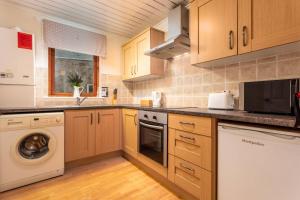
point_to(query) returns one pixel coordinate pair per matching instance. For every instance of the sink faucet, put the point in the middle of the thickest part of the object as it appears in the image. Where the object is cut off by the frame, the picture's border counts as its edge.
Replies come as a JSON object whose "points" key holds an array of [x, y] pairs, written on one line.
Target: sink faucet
{"points": [[79, 101]]}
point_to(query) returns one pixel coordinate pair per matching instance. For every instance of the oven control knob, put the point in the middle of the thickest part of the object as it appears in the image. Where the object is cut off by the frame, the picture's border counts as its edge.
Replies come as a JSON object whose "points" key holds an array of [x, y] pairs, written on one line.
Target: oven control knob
{"points": [[146, 116], [154, 117]]}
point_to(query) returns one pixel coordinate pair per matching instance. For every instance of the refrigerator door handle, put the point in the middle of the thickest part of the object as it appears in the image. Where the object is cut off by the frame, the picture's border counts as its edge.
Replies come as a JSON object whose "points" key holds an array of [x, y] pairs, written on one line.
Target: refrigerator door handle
{"points": [[281, 136]]}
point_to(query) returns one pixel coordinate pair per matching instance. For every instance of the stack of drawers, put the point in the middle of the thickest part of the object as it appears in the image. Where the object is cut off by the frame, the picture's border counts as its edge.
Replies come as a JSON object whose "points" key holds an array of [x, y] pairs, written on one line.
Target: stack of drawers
{"points": [[191, 147]]}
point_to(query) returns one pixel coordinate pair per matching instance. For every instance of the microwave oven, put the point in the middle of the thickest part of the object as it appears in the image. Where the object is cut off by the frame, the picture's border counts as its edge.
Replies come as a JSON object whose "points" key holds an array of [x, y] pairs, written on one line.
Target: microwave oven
{"points": [[272, 97]]}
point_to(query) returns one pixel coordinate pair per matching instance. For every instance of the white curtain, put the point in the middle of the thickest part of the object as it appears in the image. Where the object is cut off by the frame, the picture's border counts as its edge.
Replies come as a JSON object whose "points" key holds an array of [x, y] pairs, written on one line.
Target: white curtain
{"points": [[69, 38]]}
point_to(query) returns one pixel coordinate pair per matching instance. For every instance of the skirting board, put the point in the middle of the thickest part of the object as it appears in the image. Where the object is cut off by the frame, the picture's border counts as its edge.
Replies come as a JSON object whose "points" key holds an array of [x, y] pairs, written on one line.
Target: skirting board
{"points": [[85, 161], [162, 180]]}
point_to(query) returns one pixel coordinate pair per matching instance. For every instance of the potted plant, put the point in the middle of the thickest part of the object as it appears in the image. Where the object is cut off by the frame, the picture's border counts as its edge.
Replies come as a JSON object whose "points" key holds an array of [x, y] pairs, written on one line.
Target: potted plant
{"points": [[75, 80]]}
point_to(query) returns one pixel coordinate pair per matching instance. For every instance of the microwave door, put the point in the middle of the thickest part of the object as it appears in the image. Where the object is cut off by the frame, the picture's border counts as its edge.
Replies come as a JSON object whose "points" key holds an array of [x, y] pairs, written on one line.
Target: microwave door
{"points": [[280, 97]]}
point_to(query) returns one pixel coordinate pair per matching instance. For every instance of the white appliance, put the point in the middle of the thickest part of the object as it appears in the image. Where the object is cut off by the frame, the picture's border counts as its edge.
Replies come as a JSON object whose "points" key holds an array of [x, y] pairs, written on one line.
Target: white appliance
{"points": [[16, 69], [157, 98], [31, 148], [257, 163], [222, 100]]}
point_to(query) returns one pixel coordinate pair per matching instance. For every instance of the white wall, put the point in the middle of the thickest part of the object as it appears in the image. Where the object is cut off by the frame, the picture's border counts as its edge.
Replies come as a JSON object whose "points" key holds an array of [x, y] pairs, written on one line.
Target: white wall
{"points": [[31, 21]]}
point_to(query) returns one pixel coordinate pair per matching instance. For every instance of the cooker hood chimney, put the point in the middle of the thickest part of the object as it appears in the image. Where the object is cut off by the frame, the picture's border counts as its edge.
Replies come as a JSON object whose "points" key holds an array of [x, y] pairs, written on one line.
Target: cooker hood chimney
{"points": [[178, 41]]}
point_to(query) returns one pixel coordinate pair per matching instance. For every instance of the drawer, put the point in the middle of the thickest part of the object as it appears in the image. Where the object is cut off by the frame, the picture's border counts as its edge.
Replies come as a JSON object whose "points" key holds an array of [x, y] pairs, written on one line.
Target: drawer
{"points": [[193, 124], [191, 147], [190, 178]]}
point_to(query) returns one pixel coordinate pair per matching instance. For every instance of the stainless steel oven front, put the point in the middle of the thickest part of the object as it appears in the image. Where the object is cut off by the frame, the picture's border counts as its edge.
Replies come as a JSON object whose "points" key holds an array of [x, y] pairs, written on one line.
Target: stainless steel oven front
{"points": [[153, 136]]}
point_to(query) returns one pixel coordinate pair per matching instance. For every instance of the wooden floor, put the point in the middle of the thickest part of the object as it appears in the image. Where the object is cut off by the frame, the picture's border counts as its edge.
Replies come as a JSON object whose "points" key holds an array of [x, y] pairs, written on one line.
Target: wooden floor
{"points": [[114, 178]]}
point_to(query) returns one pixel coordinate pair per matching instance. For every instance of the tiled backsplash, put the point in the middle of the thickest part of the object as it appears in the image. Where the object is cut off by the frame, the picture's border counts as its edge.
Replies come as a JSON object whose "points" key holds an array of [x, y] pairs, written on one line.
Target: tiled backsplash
{"points": [[183, 84], [186, 85], [111, 81]]}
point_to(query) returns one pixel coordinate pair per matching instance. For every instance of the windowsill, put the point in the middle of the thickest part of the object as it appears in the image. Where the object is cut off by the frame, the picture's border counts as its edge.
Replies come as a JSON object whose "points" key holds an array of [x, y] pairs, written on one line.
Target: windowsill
{"points": [[57, 97]]}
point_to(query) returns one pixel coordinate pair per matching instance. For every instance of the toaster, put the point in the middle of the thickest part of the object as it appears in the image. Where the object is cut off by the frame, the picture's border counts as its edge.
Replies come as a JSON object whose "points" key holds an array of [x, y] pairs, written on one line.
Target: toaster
{"points": [[221, 100]]}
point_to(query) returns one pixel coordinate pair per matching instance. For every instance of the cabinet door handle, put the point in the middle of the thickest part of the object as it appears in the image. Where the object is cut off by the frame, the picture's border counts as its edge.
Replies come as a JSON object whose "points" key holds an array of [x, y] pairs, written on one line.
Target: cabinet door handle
{"points": [[131, 70], [135, 122], [91, 118], [98, 118], [245, 36], [231, 40], [135, 69]]}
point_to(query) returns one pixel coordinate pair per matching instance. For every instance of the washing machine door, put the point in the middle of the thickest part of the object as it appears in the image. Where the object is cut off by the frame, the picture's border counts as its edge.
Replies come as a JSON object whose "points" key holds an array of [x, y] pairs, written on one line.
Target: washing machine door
{"points": [[34, 147]]}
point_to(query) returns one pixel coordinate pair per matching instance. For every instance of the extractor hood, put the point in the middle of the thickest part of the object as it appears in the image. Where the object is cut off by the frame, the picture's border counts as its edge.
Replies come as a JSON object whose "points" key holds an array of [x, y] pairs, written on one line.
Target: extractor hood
{"points": [[178, 41]]}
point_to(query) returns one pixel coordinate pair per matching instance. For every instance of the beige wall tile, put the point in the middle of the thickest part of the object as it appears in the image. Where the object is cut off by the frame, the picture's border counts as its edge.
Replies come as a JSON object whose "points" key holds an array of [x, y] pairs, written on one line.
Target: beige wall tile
{"points": [[232, 72], [289, 68], [248, 72], [267, 59], [266, 71], [218, 74], [289, 55]]}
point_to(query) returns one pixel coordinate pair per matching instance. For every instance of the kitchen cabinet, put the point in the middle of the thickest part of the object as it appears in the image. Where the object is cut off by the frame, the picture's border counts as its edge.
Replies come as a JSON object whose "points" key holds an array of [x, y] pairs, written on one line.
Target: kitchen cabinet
{"points": [[221, 29], [91, 132], [128, 61], [138, 66], [267, 23], [192, 154], [213, 29], [108, 130], [79, 134], [130, 132]]}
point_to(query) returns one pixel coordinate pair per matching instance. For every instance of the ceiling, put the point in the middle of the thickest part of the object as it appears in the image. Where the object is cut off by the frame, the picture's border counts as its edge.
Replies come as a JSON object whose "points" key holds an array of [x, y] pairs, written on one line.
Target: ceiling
{"points": [[122, 17]]}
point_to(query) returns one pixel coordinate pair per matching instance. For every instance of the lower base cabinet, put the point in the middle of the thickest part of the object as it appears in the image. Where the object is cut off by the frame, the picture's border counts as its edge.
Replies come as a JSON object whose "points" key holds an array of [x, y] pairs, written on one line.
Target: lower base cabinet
{"points": [[130, 131], [108, 131], [192, 155], [190, 178], [91, 132]]}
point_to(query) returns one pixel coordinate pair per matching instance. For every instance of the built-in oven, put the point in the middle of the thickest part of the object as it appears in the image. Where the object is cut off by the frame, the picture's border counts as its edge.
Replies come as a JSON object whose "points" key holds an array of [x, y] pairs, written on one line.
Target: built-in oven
{"points": [[153, 136]]}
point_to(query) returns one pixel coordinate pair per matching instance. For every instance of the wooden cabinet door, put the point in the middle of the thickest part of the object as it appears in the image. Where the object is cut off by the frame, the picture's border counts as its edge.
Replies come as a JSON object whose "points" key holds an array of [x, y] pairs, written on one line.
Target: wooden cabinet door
{"points": [[128, 61], [79, 134], [130, 131], [216, 29], [108, 138], [142, 66], [274, 22]]}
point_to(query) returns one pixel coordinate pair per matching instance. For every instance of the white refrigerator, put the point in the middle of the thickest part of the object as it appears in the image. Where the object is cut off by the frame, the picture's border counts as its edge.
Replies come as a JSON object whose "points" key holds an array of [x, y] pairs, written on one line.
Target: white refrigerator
{"points": [[258, 163], [17, 87]]}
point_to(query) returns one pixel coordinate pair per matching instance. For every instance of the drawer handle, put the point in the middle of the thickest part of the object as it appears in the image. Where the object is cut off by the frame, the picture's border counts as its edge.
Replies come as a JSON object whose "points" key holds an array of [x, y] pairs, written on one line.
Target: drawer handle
{"points": [[188, 138], [187, 168], [188, 123]]}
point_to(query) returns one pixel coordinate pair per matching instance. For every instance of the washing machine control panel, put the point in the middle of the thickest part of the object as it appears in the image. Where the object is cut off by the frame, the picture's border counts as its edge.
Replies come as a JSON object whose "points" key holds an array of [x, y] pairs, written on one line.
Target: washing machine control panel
{"points": [[45, 121], [27, 121]]}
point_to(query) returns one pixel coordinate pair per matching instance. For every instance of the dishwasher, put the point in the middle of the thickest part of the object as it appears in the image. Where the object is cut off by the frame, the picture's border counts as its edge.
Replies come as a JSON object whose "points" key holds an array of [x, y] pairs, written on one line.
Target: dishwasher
{"points": [[258, 163]]}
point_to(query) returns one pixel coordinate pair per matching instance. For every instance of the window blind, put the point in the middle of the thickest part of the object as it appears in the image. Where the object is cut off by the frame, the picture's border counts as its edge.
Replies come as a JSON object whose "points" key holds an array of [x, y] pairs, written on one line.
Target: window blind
{"points": [[65, 37]]}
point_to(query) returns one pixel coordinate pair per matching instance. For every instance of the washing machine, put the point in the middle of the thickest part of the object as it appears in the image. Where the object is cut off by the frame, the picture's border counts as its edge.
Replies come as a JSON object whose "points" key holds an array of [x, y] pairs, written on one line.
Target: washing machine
{"points": [[31, 148]]}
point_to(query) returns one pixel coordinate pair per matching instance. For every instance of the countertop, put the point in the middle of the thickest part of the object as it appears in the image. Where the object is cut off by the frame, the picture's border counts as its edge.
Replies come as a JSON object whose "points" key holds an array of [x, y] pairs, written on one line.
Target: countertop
{"points": [[234, 115]]}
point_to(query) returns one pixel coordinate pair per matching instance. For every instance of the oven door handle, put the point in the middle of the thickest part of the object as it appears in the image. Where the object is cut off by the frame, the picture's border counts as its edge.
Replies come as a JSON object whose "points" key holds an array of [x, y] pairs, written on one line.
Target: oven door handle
{"points": [[152, 126]]}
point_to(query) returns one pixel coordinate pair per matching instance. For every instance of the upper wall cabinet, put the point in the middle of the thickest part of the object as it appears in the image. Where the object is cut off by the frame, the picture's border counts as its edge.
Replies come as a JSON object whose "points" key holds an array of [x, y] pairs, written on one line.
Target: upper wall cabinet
{"points": [[213, 31], [222, 28], [138, 66], [267, 23]]}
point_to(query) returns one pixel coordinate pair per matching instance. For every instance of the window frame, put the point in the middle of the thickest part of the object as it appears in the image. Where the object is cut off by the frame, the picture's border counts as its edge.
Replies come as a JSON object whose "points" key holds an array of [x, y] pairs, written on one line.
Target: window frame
{"points": [[51, 77]]}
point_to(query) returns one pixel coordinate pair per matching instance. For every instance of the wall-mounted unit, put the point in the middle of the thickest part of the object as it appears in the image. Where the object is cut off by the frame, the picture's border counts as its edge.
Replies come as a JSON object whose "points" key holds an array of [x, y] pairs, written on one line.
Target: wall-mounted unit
{"points": [[16, 68], [138, 66]]}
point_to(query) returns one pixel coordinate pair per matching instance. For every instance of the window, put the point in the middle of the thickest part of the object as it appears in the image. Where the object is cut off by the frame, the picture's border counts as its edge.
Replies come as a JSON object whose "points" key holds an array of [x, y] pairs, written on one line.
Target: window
{"points": [[65, 63]]}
